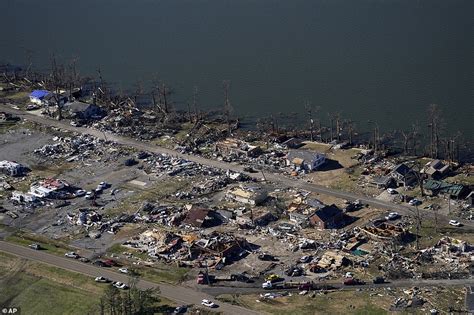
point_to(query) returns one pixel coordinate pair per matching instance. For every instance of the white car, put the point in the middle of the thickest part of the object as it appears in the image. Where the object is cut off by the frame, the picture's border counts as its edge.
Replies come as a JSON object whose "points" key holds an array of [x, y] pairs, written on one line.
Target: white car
{"points": [[101, 279], [392, 191], [454, 223], [208, 303], [267, 285], [392, 216], [123, 270], [89, 195], [414, 202], [71, 255], [120, 285], [79, 193]]}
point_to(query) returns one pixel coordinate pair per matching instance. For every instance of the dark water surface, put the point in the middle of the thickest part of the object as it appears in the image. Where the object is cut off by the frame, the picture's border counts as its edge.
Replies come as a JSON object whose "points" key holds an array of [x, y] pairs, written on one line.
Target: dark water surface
{"points": [[371, 59]]}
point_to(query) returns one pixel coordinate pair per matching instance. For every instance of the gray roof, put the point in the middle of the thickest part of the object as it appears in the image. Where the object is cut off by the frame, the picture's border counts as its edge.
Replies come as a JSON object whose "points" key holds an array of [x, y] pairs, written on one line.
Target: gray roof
{"points": [[305, 155], [76, 106]]}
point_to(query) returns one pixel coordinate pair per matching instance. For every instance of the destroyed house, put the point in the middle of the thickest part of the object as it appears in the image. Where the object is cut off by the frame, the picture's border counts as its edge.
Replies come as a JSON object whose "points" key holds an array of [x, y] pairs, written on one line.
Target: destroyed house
{"points": [[11, 168], [253, 195], [305, 159], [385, 231], [327, 217], [198, 217], [238, 147], [404, 175], [219, 246], [456, 191]]}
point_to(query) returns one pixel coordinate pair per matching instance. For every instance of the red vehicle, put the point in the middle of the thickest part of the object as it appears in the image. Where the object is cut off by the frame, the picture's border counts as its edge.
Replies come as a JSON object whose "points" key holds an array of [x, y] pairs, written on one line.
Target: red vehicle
{"points": [[305, 286], [110, 263], [201, 278], [353, 281]]}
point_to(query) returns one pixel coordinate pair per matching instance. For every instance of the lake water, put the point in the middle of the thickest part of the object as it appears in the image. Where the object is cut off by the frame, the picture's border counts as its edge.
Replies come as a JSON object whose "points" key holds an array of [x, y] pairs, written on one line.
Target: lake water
{"points": [[369, 59]]}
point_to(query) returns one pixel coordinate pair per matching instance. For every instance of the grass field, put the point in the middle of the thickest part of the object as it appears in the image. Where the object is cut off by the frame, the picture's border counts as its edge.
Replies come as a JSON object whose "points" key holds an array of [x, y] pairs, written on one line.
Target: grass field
{"points": [[52, 246], [340, 302], [42, 289]]}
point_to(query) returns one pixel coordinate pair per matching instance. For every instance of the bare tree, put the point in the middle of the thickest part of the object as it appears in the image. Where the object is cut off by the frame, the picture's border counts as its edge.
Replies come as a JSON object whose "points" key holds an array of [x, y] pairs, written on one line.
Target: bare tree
{"points": [[434, 114], [227, 106]]}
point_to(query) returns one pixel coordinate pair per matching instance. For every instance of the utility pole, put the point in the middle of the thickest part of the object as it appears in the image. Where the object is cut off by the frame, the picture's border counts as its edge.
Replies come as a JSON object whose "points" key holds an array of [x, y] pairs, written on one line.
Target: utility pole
{"points": [[418, 226]]}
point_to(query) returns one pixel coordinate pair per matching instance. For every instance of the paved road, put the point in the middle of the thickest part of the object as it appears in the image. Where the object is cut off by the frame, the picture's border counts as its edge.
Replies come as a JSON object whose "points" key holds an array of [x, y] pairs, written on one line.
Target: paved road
{"points": [[182, 295], [282, 180], [407, 283]]}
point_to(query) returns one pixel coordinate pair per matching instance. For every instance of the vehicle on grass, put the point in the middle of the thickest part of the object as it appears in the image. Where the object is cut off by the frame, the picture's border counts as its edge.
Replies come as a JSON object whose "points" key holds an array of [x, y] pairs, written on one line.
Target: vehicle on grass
{"points": [[101, 279], [123, 270], [454, 223], [71, 255], [208, 303], [392, 216], [120, 285], [353, 281], [379, 280], [414, 202], [35, 246], [180, 309]]}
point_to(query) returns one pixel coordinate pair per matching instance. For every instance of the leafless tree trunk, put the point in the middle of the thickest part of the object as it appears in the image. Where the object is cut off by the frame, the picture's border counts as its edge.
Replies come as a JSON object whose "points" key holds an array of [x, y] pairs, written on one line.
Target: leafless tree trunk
{"points": [[227, 105], [434, 114]]}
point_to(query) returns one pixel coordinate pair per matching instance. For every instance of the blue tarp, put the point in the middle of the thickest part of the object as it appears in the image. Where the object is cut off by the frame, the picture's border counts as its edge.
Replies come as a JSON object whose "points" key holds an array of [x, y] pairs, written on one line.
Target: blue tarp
{"points": [[39, 94]]}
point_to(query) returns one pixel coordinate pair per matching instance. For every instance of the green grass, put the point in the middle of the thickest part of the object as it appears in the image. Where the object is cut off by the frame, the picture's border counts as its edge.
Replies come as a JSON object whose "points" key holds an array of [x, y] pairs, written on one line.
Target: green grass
{"points": [[52, 246], [339, 302], [162, 273], [42, 289]]}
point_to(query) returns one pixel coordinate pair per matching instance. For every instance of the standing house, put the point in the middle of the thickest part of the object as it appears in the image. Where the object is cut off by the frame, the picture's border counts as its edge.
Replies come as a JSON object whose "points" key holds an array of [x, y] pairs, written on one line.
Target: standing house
{"points": [[39, 96], [305, 159], [82, 110], [327, 217], [436, 169], [404, 175]]}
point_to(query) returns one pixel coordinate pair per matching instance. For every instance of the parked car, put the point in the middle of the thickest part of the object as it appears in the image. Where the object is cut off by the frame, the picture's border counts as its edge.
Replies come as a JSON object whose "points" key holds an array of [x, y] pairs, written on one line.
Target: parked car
{"points": [[80, 193], [353, 281], [305, 259], [305, 286], [102, 280], [123, 270], [392, 216], [454, 223], [180, 309], [84, 259], [379, 280], [89, 195], [32, 107], [120, 285], [414, 202], [110, 263], [266, 257], [100, 263], [71, 255], [35, 246], [392, 191], [208, 303], [267, 285], [272, 278]]}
